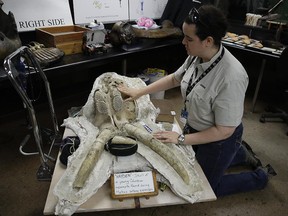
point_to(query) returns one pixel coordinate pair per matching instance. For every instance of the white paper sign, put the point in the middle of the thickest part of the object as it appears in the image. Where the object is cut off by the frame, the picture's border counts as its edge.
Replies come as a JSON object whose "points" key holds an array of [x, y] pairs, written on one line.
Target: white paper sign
{"points": [[133, 183], [31, 14], [106, 11], [146, 8], [109, 11]]}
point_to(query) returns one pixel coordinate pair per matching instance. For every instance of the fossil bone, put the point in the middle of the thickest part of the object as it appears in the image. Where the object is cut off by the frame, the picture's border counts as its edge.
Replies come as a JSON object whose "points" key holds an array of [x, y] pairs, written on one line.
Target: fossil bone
{"points": [[90, 167], [160, 148], [123, 140], [107, 102], [168, 30], [121, 115], [92, 157]]}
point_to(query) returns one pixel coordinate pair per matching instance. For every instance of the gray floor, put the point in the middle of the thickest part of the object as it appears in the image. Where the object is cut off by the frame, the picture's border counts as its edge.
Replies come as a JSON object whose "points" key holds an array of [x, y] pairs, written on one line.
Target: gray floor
{"points": [[21, 194]]}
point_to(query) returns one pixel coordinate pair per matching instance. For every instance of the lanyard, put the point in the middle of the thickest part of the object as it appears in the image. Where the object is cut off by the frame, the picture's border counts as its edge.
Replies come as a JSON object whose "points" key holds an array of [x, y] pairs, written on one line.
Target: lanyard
{"points": [[190, 87], [192, 60]]}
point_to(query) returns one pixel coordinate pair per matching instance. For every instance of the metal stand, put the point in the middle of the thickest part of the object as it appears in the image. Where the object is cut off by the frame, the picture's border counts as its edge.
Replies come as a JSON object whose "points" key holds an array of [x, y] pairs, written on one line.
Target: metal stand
{"points": [[26, 58], [263, 64]]}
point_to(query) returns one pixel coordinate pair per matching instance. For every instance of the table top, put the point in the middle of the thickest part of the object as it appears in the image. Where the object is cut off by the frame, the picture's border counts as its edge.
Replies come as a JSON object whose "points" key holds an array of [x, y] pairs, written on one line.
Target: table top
{"points": [[277, 22], [102, 201], [265, 51], [142, 45], [80, 60]]}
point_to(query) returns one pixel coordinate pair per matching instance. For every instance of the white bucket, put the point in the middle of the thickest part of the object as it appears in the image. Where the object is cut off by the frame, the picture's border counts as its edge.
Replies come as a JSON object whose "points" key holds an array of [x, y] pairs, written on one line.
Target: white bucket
{"points": [[154, 78]]}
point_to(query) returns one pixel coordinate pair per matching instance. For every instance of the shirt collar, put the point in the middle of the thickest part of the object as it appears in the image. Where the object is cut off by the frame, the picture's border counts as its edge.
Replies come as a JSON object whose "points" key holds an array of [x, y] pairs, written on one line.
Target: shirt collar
{"points": [[205, 65]]}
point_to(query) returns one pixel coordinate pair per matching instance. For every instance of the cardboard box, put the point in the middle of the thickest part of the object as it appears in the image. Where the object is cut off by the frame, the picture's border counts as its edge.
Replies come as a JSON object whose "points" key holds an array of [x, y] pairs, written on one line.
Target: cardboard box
{"points": [[67, 38], [167, 113]]}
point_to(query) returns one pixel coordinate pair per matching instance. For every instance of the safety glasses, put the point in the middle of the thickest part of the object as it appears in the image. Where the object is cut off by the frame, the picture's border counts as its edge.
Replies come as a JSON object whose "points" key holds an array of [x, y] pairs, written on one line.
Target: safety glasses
{"points": [[195, 17]]}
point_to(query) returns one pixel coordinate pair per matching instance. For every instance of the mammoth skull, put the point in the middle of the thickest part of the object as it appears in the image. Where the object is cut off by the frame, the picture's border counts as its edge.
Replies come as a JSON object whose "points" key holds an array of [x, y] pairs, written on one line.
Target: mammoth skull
{"points": [[9, 37]]}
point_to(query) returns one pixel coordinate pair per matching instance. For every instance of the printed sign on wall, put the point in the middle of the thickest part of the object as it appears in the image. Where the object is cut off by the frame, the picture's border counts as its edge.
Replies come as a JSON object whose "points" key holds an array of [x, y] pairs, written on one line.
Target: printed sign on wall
{"points": [[86, 11], [146, 8], [109, 11], [31, 14]]}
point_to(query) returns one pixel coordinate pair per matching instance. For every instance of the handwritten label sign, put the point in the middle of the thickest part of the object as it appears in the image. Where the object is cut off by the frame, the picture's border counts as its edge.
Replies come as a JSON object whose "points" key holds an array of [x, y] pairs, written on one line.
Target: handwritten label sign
{"points": [[134, 184]]}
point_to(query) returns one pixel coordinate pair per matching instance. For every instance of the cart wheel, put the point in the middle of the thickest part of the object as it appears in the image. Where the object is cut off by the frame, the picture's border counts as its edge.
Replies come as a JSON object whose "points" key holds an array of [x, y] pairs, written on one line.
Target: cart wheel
{"points": [[262, 120]]}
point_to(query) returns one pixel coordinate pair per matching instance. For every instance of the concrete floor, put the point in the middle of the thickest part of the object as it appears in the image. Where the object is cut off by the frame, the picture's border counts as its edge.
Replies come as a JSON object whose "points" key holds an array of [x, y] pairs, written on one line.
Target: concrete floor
{"points": [[22, 195]]}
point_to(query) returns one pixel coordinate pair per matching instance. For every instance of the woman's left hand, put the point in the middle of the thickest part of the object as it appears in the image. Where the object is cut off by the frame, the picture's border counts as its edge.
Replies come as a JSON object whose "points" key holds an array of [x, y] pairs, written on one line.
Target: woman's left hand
{"points": [[167, 136]]}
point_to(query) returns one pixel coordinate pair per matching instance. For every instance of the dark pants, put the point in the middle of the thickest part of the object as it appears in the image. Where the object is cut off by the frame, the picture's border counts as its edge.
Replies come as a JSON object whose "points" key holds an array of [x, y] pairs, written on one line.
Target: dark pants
{"points": [[216, 157]]}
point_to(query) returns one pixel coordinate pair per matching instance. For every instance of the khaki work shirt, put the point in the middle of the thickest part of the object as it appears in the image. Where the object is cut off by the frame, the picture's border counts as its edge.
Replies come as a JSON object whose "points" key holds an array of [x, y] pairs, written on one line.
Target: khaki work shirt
{"points": [[219, 97]]}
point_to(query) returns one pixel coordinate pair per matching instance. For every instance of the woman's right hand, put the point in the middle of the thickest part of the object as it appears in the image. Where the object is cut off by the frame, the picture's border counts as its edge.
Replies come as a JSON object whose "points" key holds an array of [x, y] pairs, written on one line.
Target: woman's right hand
{"points": [[131, 93]]}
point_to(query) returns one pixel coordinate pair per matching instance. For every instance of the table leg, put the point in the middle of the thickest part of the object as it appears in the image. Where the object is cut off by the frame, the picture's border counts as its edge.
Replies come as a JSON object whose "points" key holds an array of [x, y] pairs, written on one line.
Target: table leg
{"points": [[258, 84], [124, 67]]}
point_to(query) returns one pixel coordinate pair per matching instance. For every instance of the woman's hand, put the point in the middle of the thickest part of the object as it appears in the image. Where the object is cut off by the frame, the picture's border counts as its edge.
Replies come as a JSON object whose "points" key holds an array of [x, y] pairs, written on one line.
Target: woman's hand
{"points": [[167, 136], [132, 93]]}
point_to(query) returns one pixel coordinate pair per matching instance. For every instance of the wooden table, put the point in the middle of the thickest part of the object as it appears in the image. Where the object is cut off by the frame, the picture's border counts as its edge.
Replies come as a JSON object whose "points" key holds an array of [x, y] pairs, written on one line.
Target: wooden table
{"points": [[102, 201]]}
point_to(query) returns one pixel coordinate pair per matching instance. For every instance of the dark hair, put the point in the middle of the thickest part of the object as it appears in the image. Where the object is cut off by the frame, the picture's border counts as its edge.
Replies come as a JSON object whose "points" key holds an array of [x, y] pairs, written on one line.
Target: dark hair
{"points": [[209, 21]]}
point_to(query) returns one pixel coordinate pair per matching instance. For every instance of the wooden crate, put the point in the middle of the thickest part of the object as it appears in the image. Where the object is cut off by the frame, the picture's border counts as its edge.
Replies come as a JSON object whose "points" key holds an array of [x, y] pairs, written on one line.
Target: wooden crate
{"points": [[67, 38]]}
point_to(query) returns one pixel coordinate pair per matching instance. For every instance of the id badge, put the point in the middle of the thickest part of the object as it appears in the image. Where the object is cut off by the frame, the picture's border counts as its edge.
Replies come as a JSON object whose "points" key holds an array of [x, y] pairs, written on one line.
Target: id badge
{"points": [[183, 116]]}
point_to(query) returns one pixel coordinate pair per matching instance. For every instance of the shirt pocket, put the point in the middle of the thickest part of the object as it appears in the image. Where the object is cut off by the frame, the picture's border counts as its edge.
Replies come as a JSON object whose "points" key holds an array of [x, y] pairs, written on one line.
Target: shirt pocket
{"points": [[201, 100]]}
